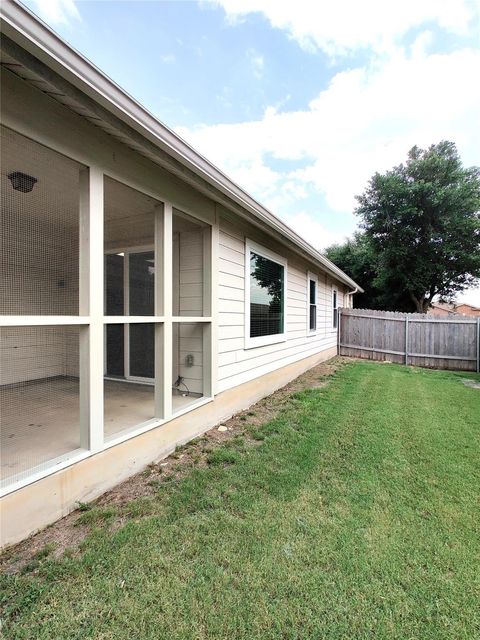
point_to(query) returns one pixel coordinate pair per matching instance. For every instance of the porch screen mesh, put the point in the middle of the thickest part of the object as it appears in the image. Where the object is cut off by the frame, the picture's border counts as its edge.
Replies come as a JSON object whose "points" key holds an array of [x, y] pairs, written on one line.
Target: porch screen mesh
{"points": [[187, 363], [39, 271], [130, 264], [188, 265], [266, 296], [129, 393], [39, 397]]}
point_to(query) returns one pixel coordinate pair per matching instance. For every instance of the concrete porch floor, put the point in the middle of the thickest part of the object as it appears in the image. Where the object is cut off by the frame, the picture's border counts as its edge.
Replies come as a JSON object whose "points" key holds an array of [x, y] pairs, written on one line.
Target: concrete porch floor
{"points": [[39, 420]]}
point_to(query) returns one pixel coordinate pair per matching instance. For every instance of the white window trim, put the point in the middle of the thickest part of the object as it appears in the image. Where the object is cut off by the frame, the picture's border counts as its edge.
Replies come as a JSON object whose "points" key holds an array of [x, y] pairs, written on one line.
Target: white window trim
{"points": [[334, 296], [260, 341], [312, 276]]}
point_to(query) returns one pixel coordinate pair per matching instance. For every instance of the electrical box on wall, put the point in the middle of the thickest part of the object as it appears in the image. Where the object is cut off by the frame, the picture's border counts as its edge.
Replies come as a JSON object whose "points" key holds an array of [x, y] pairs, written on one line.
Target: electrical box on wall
{"points": [[189, 360]]}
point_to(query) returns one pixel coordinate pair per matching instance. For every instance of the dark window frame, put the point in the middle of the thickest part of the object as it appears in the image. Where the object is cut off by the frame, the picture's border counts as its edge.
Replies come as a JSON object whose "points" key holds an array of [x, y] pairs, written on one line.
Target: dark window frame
{"points": [[312, 305]]}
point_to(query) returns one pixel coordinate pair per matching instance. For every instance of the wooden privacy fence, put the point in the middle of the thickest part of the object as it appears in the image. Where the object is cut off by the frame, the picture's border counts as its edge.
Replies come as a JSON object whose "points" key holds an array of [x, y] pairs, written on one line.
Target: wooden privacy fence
{"points": [[451, 342]]}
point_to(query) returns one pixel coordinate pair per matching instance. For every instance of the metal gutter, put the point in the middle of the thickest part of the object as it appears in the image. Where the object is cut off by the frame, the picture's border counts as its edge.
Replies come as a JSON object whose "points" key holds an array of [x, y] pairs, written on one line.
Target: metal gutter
{"points": [[28, 31]]}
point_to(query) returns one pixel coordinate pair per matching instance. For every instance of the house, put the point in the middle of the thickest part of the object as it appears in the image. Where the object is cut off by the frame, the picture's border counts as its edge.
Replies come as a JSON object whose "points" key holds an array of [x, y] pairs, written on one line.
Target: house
{"points": [[145, 296], [441, 309], [451, 308], [465, 309]]}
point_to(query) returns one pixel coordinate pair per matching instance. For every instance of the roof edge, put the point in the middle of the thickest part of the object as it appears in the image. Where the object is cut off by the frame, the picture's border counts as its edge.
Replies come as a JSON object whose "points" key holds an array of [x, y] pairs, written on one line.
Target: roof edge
{"points": [[24, 27]]}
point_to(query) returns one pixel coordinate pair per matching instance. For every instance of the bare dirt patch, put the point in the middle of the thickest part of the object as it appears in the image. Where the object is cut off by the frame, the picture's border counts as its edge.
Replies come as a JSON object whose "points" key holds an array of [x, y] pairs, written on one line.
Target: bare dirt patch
{"points": [[470, 383], [116, 506]]}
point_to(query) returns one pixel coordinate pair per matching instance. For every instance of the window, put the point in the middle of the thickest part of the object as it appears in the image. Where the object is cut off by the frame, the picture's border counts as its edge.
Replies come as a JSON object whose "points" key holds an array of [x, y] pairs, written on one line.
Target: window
{"points": [[265, 275], [334, 309], [312, 303]]}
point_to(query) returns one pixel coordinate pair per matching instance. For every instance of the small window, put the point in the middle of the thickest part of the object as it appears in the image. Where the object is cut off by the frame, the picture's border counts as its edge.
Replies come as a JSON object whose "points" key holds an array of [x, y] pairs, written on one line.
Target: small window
{"points": [[312, 303], [265, 283], [334, 309]]}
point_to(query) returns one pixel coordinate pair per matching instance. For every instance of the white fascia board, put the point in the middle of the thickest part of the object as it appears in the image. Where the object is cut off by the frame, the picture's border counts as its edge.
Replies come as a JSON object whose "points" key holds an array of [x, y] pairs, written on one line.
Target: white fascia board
{"points": [[31, 33]]}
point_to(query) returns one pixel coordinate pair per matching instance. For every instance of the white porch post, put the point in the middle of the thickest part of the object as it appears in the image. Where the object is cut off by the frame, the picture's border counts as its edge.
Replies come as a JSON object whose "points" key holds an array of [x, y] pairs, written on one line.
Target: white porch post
{"points": [[91, 305], [163, 306], [210, 332]]}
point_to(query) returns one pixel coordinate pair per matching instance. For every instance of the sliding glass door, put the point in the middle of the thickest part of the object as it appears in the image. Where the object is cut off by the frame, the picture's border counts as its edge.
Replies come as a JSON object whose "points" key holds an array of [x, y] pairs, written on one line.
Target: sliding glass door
{"points": [[114, 303], [141, 297], [130, 291]]}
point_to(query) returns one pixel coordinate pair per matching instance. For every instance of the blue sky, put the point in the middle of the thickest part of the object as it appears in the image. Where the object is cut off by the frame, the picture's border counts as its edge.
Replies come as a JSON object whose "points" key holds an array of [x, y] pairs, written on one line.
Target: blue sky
{"points": [[299, 102], [187, 64]]}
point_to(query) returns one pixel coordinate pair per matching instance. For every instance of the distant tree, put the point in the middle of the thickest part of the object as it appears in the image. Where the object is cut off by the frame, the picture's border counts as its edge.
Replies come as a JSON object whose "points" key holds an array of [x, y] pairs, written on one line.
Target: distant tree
{"points": [[355, 258], [358, 258], [421, 225]]}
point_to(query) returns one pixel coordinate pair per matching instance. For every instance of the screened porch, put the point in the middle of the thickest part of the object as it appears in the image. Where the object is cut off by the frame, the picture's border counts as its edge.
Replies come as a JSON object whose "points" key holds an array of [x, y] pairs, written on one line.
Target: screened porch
{"points": [[105, 326]]}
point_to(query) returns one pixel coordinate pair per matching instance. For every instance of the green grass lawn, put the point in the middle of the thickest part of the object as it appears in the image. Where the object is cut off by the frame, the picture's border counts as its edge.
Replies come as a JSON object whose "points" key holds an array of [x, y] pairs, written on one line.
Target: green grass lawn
{"points": [[356, 517]]}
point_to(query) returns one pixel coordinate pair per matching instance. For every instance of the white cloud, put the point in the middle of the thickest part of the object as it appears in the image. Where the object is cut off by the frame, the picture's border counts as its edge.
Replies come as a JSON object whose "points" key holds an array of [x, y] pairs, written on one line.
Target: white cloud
{"points": [[343, 26], [365, 121], [313, 231], [57, 12], [470, 296], [257, 62], [168, 58]]}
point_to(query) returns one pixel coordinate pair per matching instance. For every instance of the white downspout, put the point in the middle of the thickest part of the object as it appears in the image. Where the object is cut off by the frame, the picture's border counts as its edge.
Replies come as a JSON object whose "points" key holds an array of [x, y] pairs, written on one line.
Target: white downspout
{"points": [[351, 293]]}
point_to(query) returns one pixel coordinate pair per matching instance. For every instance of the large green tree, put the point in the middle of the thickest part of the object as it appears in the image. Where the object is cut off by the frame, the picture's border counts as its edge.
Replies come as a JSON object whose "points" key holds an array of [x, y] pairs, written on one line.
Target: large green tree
{"points": [[358, 258], [421, 225]]}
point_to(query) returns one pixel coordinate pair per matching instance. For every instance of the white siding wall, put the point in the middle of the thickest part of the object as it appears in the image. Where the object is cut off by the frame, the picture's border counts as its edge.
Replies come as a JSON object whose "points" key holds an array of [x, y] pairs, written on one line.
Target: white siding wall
{"points": [[188, 301], [31, 353], [237, 364], [191, 273], [72, 352], [191, 343], [49, 284]]}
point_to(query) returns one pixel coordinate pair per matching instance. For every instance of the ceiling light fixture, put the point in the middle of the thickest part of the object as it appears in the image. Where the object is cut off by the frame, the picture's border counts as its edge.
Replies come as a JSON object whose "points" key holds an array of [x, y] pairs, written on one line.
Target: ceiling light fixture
{"points": [[21, 181]]}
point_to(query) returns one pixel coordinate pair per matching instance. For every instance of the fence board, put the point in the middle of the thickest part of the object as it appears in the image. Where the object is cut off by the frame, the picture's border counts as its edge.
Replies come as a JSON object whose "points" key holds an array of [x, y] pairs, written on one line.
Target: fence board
{"points": [[412, 338]]}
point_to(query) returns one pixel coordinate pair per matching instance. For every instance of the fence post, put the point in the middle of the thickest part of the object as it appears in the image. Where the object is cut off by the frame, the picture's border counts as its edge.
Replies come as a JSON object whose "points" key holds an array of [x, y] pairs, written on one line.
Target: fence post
{"points": [[406, 340], [478, 345]]}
